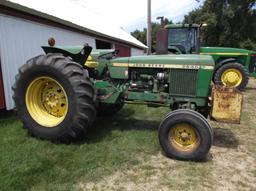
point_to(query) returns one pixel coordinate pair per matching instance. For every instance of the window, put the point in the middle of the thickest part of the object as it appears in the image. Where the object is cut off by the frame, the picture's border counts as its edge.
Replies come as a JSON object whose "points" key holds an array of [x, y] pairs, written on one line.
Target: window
{"points": [[103, 44]]}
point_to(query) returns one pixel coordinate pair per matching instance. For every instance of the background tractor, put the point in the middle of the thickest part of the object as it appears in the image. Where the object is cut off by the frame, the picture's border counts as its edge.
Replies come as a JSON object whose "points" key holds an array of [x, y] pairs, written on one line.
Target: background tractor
{"points": [[233, 66], [58, 95]]}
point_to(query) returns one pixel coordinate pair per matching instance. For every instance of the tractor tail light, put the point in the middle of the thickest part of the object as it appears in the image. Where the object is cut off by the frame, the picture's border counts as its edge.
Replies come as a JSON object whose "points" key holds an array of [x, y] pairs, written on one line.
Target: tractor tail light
{"points": [[252, 66]]}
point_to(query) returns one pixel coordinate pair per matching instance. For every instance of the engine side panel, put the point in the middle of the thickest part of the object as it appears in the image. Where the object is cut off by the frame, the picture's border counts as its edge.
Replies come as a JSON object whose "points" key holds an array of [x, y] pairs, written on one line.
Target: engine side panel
{"points": [[164, 79]]}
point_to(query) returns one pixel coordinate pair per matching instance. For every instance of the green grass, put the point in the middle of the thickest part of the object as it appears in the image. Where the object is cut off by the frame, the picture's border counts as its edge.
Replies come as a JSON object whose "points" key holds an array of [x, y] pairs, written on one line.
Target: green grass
{"points": [[111, 145], [123, 153]]}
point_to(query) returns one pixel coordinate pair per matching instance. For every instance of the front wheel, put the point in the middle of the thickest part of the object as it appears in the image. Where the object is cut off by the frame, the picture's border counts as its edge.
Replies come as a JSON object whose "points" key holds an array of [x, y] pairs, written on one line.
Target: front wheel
{"points": [[54, 98], [185, 135]]}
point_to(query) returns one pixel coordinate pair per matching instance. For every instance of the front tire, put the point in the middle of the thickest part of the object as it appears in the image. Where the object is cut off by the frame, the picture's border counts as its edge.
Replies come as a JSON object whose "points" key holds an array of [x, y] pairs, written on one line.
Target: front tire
{"points": [[185, 135], [54, 98], [232, 75]]}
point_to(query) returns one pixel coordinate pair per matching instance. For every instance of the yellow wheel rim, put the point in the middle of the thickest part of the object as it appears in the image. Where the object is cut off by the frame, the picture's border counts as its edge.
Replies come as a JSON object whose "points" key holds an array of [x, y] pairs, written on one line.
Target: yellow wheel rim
{"points": [[231, 77], [46, 101], [184, 137]]}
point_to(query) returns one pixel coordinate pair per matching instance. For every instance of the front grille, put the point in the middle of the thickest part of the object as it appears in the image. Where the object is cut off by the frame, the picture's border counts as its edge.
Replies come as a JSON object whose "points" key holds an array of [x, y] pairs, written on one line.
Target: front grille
{"points": [[183, 82]]}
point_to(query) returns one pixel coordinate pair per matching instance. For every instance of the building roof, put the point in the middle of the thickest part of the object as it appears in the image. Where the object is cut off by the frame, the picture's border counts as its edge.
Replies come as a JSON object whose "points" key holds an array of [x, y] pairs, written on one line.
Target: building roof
{"points": [[75, 16]]}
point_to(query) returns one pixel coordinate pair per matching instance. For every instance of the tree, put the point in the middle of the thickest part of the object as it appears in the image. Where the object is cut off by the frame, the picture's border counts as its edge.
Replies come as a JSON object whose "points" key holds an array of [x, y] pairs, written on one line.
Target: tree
{"points": [[142, 35], [230, 22]]}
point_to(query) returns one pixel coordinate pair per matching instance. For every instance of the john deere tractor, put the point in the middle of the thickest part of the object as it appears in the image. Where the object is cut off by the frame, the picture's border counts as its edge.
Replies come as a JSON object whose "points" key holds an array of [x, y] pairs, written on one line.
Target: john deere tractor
{"points": [[58, 95], [233, 66]]}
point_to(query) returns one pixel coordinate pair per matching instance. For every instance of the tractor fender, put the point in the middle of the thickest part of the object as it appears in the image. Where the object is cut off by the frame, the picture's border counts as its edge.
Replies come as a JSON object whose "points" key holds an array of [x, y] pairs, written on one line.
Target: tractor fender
{"points": [[80, 57], [221, 63]]}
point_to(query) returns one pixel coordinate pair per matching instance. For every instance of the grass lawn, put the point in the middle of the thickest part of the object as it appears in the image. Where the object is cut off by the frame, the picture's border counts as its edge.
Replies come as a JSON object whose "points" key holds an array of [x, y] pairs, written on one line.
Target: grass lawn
{"points": [[123, 153]]}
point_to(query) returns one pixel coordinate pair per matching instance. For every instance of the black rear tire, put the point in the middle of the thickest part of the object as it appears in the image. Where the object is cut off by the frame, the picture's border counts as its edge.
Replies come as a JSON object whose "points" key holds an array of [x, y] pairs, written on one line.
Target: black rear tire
{"points": [[173, 145], [79, 92], [245, 75]]}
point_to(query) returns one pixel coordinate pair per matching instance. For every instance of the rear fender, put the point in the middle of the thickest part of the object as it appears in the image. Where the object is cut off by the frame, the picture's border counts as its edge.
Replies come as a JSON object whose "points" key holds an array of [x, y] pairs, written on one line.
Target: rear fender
{"points": [[222, 62], [225, 61], [80, 57]]}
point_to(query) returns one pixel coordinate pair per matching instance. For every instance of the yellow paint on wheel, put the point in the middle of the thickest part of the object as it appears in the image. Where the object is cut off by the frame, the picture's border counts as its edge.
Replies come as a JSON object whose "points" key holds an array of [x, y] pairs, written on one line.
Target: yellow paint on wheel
{"points": [[231, 77], [46, 101], [184, 137]]}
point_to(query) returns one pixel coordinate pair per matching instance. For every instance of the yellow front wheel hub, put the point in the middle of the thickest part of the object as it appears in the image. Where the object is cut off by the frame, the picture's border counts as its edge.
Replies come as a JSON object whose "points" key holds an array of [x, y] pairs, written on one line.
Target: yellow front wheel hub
{"points": [[46, 101], [231, 77], [184, 137]]}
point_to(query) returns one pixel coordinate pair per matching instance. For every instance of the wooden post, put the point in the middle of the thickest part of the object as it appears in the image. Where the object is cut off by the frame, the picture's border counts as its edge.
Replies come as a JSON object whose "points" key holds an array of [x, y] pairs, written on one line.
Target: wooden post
{"points": [[149, 38]]}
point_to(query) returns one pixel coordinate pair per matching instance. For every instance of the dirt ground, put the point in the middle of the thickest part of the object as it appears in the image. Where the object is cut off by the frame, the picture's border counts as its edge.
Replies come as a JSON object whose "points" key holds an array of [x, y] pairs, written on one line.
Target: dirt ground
{"points": [[231, 164]]}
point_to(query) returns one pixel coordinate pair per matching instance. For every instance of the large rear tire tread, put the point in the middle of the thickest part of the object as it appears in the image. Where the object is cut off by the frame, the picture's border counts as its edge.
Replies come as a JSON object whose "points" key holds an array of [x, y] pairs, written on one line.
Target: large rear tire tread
{"points": [[235, 65], [76, 83]]}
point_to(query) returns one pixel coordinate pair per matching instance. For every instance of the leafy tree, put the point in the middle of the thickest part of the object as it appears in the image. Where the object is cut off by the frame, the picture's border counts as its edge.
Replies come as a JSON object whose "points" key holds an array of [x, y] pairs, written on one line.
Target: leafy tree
{"points": [[230, 22], [142, 35]]}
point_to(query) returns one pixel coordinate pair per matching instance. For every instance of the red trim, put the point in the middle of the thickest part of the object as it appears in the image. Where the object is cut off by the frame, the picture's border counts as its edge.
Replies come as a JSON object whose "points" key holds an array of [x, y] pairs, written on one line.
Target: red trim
{"points": [[2, 102], [254, 55], [124, 51]]}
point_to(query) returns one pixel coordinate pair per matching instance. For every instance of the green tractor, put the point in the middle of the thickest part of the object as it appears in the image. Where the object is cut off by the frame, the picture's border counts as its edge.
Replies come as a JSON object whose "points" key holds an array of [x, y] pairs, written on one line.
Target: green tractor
{"points": [[58, 95], [233, 66]]}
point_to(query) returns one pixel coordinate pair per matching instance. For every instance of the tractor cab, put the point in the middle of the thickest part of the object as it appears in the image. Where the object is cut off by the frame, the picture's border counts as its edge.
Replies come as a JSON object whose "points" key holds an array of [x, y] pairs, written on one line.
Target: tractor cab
{"points": [[179, 39], [182, 38]]}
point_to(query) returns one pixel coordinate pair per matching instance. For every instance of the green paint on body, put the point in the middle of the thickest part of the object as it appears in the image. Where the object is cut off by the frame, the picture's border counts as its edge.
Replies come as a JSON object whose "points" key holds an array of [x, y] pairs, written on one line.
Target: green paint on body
{"points": [[185, 78], [242, 56], [192, 59]]}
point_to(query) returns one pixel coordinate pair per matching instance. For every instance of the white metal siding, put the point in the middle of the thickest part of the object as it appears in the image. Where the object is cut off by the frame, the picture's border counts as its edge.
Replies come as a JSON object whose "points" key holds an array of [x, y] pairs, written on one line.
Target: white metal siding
{"points": [[21, 39], [74, 13], [136, 52]]}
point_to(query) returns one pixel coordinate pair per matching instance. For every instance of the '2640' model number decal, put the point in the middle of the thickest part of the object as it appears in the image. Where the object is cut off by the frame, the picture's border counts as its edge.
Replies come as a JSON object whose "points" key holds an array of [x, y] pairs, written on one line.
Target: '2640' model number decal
{"points": [[195, 67]]}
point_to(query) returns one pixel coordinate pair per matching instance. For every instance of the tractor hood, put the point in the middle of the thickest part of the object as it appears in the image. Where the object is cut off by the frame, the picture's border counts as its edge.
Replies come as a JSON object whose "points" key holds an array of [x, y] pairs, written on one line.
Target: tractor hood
{"points": [[166, 61], [225, 51]]}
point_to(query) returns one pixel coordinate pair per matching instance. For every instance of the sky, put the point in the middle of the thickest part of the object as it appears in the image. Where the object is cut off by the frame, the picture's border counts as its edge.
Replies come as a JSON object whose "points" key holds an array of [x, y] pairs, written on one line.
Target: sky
{"points": [[132, 14]]}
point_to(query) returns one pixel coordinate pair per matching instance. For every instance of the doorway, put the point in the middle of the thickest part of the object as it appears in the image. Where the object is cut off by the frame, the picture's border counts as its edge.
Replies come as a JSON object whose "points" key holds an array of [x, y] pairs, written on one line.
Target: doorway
{"points": [[2, 102]]}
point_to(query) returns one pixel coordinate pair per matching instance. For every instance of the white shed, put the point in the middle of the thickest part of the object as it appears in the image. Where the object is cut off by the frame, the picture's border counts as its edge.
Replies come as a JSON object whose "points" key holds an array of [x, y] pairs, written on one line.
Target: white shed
{"points": [[27, 25]]}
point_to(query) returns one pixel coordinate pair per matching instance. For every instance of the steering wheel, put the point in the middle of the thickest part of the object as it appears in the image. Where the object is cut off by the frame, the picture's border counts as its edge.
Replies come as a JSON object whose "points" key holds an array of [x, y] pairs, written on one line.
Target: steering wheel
{"points": [[181, 47]]}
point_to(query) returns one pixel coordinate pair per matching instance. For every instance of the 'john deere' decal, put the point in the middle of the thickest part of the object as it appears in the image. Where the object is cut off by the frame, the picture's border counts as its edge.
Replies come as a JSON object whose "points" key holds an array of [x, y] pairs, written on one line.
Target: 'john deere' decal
{"points": [[146, 65]]}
